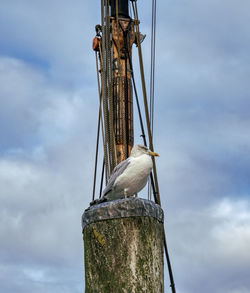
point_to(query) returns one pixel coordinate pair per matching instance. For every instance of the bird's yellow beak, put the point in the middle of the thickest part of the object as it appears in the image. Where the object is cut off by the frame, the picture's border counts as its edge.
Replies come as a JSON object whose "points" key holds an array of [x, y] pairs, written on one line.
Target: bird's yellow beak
{"points": [[154, 154]]}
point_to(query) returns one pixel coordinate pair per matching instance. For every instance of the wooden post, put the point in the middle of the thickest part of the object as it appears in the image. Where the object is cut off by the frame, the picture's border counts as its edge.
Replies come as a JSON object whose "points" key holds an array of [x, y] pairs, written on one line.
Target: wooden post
{"points": [[123, 247]]}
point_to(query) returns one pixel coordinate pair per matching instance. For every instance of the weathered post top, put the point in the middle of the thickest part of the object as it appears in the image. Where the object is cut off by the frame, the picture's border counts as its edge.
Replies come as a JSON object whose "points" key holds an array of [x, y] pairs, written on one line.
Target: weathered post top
{"points": [[123, 246], [122, 208]]}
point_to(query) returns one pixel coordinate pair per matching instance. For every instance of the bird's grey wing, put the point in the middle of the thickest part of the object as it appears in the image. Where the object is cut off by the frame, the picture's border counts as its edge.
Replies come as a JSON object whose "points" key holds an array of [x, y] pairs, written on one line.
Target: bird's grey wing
{"points": [[118, 170]]}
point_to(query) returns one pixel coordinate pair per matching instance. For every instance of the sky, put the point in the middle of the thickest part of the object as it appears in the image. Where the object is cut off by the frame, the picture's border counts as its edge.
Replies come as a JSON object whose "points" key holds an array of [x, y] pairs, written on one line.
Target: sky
{"points": [[48, 122]]}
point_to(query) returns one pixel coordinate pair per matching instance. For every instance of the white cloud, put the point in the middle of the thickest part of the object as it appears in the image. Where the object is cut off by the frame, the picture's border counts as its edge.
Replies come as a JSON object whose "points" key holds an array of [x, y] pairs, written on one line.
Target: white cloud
{"points": [[39, 112], [211, 244], [232, 236], [48, 119], [37, 212], [45, 170], [54, 33]]}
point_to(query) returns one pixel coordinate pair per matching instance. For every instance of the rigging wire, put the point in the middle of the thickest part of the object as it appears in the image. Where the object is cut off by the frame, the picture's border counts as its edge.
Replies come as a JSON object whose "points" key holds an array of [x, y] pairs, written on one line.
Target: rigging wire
{"points": [[96, 154], [110, 93], [157, 199], [108, 74], [98, 130], [141, 120], [107, 90], [99, 89], [134, 3], [152, 78], [103, 167], [104, 85], [125, 35], [100, 121], [152, 67]]}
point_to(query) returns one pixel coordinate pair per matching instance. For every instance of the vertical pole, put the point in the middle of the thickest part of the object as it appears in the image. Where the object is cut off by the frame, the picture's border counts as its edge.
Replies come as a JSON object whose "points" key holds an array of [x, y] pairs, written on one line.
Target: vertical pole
{"points": [[117, 39], [123, 36]]}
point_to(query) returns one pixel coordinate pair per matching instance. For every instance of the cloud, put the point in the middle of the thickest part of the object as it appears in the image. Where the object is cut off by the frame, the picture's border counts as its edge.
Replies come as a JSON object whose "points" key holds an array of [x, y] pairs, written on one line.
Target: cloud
{"points": [[39, 279], [53, 35], [211, 247], [36, 112], [36, 212], [20, 92], [48, 118], [41, 227], [45, 168]]}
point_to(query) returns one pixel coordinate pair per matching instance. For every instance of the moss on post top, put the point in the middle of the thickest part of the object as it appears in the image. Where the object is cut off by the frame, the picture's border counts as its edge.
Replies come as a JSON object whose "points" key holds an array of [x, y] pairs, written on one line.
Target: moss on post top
{"points": [[122, 208]]}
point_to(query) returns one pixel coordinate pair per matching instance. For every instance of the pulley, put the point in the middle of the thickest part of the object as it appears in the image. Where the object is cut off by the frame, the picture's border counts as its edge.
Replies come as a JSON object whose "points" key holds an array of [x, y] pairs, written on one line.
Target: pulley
{"points": [[97, 42]]}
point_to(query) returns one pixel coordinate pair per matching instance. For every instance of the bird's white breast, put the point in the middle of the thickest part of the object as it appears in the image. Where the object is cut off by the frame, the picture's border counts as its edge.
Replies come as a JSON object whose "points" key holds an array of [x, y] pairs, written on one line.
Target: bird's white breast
{"points": [[135, 177]]}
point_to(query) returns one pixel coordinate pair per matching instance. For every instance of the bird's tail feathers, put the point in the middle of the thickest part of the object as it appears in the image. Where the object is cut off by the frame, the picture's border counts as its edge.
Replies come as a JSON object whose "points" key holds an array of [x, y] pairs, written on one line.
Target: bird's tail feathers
{"points": [[97, 201]]}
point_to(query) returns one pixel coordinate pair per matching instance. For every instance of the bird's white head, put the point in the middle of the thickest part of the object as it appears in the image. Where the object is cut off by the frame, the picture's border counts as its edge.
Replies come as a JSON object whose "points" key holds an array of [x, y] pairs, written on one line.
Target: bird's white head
{"points": [[139, 150]]}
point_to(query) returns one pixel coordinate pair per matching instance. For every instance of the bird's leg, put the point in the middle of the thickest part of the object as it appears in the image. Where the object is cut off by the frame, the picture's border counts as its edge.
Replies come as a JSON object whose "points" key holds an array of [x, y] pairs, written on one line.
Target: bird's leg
{"points": [[134, 195], [125, 193]]}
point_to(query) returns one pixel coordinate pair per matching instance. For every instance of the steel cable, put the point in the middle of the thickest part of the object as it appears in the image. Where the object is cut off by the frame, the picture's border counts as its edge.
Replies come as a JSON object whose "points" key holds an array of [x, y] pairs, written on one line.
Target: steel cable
{"points": [[104, 100], [107, 95], [141, 123], [110, 92], [98, 127], [152, 75], [134, 4]]}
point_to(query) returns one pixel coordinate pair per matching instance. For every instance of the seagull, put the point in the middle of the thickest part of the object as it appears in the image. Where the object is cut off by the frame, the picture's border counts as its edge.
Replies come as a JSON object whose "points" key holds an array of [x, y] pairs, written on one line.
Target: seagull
{"points": [[131, 175]]}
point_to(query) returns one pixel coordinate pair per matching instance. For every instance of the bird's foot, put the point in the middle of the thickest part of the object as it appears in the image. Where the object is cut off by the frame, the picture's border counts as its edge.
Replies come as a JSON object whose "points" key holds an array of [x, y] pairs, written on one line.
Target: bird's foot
{"points": [[133, 196]]}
